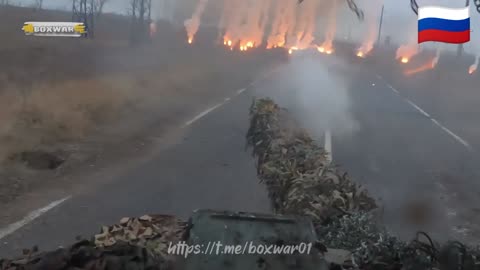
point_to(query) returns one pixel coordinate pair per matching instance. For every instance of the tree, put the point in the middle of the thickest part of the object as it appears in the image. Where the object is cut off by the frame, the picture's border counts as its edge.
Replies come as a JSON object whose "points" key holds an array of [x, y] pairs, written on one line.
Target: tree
{"points": [[140, 10], [99, 4], [38, 4]]}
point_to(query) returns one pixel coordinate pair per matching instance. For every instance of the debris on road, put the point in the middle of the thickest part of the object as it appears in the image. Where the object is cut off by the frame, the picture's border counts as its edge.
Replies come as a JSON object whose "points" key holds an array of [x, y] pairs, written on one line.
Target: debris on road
{"points": [[134, 243]]}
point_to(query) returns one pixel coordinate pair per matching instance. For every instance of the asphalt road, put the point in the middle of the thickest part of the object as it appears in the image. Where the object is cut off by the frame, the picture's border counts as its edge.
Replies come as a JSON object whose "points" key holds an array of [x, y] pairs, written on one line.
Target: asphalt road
{"points": [[418, 167]]}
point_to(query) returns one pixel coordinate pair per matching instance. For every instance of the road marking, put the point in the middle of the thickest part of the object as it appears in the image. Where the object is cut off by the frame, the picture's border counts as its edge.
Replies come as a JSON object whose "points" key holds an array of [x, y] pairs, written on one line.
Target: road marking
{"points": [[393, 89], [202, 114], [30, 217], [455, 136], [328, 145], [379, 77], [448, 131], [241, 91], [418, 108]]}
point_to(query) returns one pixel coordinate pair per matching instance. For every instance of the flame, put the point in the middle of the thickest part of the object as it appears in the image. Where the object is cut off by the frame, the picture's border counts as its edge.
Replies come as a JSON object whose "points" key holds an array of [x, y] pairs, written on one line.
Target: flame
{"points": [[294, 48], [474, 66], [427, 66], [406, 52], [471, 69], [321, 49], [153, 29], [360, 54], [192, 24]]}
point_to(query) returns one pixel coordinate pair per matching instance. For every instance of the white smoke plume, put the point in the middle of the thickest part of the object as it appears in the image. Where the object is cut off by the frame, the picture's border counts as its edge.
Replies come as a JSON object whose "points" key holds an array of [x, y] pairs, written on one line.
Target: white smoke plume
{"points": [[193, 24], [372, 20]]}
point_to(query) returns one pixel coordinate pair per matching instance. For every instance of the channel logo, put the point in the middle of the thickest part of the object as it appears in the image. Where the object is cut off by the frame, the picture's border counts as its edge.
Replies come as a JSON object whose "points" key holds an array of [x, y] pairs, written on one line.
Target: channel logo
{"points": [[54, 29]]}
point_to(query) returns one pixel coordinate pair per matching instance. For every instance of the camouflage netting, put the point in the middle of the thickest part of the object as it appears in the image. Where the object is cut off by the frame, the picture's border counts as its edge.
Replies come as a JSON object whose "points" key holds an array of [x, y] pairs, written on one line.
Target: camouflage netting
{"points": [[134, 243], [301, 180]]}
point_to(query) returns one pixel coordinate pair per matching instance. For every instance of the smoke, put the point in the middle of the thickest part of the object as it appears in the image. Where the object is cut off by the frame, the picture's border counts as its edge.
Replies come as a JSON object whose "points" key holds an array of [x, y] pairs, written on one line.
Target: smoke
{"points": [[192, 24], [407, 51], [474, 66], [317, 95], [327, 45], [305, 26], [372, 20], [283, 19]]}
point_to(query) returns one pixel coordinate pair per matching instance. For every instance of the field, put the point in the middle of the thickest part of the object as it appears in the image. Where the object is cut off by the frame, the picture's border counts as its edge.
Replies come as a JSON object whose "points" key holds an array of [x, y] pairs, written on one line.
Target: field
{"points": [[63, 101]]}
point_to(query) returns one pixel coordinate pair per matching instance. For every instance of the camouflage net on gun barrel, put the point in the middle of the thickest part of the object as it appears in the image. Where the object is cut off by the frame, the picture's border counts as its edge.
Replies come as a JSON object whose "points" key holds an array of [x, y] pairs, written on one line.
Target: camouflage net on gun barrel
{"points": [[301, 180]]}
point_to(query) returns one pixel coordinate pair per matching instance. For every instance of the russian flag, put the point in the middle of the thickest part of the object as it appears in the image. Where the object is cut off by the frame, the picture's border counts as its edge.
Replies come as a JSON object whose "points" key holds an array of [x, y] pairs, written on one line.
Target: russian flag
{"points": [[441, 24]]}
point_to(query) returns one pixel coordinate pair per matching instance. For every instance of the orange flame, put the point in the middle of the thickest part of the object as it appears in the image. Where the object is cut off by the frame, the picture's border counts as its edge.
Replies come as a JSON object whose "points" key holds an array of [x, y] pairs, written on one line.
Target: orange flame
{"points": [[190, 40], [406, 52], [472, 69], [427, 66], [360, 54]]}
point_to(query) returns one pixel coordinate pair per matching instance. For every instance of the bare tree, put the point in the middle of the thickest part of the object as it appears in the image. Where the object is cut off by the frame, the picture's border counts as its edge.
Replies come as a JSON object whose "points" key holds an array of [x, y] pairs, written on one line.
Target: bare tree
{"points": [[38, 4], [140, 10], [99, 4]]}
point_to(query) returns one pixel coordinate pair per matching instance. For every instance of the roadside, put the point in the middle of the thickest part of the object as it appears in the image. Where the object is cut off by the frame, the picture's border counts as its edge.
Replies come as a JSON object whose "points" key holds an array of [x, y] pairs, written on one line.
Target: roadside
{"points": [[128, 115]]}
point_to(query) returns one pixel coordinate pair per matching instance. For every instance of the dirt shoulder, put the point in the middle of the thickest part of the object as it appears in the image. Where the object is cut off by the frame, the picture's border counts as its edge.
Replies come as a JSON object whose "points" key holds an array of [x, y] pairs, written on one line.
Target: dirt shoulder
{"points": [[77, 127]]}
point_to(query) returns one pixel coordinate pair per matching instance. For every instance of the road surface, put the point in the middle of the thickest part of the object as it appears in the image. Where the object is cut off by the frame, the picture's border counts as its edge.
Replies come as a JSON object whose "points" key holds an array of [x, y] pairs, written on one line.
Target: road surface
{"points": [[375, 130]]}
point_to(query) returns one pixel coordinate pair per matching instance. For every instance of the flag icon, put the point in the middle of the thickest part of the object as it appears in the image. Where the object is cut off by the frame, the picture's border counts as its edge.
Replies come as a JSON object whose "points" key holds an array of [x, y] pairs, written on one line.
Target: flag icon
{"points": [[442, 24]]}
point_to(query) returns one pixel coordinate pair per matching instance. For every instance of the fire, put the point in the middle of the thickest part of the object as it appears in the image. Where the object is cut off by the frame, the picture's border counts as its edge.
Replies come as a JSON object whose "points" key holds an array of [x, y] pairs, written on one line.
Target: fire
{"points": [[406, 52], [326, 47], [360, 54], [427, 66], [290, 51], [153, 29], [474, 66], [472, 69], [190, 40]]}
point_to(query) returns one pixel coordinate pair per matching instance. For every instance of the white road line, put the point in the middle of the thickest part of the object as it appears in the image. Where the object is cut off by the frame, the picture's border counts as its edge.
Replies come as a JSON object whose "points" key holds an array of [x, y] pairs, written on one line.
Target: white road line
{"points": [[448, 131], [328, 145], [418, 108], [455, 136], [379, 77], [393, 89], [202, 114], [30, 217], [241, 91]]}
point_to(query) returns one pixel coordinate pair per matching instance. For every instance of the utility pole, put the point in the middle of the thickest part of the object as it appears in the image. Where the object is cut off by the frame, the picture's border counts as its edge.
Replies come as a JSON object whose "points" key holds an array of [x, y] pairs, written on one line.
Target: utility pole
{"points": [[380, 25]]}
